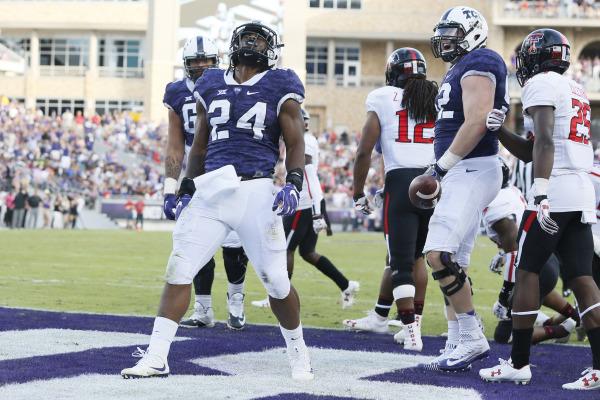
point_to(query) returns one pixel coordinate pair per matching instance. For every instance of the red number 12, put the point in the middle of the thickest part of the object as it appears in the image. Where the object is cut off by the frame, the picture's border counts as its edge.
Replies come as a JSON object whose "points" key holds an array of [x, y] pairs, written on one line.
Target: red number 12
{"points": [[418, 132]]}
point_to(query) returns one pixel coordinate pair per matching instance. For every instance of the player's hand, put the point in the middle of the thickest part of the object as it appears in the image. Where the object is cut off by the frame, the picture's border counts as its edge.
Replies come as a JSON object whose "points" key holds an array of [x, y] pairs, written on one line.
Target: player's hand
{"points": [[497, 263], [329, 231], [362, 205], [184, 195], [378, 198], [286, 200], [436, 171], [500, 311], [169, 205], [543, 215], [495, 119], [182, 203], [319, 223]]}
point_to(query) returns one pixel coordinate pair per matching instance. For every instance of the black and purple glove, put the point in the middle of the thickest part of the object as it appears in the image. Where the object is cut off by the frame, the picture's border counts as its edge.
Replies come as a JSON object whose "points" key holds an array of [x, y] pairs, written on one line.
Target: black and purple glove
{"points": [[169, 205], [184, 196], [286, 200], [182, 203]]}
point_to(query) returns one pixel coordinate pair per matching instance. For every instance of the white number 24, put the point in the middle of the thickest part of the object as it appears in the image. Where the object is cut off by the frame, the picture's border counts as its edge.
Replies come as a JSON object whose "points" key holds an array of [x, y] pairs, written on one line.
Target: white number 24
{"points": [[258, 111]]}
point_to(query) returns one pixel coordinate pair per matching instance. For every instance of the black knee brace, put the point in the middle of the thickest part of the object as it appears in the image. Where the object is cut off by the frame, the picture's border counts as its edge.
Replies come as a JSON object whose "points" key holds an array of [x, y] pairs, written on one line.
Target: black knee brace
{"points": [[235, 261], [451, 268]]}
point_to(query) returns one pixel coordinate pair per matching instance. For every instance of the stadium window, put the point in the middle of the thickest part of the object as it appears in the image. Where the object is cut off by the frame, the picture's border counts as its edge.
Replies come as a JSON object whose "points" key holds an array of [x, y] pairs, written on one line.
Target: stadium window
{"points": [[55, 107], [316, 63], [327, 3], [111, 106], [347, 65], [20, 46], [119, 57], [342, 3], [355, 4], [314, 3], [63, 56]]}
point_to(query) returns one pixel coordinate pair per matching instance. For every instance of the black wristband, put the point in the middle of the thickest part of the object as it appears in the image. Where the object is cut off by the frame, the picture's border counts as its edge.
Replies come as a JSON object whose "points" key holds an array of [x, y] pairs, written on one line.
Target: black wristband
{"points": [[187, 187], [295, 177], [538, 199], [439, 170], [355, 198]]}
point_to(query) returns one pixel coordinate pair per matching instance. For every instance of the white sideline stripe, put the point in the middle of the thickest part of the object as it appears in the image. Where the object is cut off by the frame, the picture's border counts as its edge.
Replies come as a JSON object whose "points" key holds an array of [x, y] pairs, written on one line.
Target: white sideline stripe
{"points": [[44, 342]]}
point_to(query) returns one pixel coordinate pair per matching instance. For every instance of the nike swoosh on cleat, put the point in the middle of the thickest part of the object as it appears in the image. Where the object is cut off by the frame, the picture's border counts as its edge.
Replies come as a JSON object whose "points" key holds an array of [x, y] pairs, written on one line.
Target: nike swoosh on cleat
{"points": [[163, 369], [250, 93], [471, 170]]}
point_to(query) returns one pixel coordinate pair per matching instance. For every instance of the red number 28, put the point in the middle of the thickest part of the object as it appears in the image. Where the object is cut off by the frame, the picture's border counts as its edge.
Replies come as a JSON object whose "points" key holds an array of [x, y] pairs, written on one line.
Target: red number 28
{"points": [[418, 131]]}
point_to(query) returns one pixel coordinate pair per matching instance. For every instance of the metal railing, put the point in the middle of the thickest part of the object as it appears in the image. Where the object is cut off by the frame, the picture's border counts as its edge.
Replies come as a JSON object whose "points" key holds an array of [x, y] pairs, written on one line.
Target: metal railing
{"points": [[62, 70], [112, 72]]}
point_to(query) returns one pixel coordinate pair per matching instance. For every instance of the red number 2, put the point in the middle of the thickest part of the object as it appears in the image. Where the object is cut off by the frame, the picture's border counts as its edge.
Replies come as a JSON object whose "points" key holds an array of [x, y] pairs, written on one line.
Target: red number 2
{"points": [[418, 133], [582, 118]]}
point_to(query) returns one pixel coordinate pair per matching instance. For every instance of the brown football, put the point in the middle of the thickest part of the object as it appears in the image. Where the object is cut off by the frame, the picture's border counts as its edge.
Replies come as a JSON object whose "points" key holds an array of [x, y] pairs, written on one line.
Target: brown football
{"points": [[424, 191]]}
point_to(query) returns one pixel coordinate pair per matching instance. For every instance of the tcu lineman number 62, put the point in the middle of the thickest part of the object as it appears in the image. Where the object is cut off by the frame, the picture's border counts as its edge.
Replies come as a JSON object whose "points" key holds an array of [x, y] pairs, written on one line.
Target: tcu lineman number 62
{"points": [[582, 118], [418, 133]]}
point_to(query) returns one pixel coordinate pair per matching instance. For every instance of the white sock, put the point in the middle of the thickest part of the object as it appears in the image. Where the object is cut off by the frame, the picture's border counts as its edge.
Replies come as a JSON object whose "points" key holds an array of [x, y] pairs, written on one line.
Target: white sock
{"points": [[292, 336], [162, 335], [233, 288], [453, 332], [467, 323], [205, 300]]}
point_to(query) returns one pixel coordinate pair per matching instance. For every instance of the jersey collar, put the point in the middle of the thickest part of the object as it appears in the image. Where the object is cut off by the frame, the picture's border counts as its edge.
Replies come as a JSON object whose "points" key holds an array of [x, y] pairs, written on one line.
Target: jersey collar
{"points": [[190, 85], [228, 76]]}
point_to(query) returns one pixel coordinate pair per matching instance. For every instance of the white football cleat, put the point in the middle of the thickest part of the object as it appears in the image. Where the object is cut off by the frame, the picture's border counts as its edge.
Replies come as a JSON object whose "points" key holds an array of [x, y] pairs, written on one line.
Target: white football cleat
{"points": [[399, 337], [505, 372], [371, 323], [236, 319], [471, 347], [300, 361], [203, 317], [434, 365], [349, 294], [149, 366], [412, 340], [590, 380], [261, 303]]}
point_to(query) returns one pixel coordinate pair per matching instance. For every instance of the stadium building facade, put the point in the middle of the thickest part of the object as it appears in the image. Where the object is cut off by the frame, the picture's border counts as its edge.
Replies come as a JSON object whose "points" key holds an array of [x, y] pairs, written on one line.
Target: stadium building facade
{"points": [[340, 47], [89, 56]]}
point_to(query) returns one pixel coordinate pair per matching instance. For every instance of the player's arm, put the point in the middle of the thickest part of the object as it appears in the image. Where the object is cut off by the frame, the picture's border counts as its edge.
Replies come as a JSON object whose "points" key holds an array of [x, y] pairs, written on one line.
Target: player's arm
{"points": [[519, 146], [175, 152], [543, 160], [370, 133], [292, 127], [195, 165], [173, 160], [478, 100], [543, 145]]}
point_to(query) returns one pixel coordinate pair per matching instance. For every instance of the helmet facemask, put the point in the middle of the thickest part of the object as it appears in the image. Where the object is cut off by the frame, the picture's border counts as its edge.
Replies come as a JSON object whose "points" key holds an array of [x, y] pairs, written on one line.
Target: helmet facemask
{"points": [[254, 44], [447, 42], [195, 66]]}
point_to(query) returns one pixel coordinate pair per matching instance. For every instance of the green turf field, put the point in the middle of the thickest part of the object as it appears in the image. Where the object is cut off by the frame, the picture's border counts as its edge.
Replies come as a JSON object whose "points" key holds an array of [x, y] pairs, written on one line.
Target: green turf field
{"points": [[122, 272]]}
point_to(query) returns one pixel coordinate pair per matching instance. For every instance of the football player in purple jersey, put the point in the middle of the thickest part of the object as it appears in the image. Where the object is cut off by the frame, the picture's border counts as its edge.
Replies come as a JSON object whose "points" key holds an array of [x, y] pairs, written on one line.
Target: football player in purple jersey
{"points": [[199, 53], [241, 115], [468, 168]]}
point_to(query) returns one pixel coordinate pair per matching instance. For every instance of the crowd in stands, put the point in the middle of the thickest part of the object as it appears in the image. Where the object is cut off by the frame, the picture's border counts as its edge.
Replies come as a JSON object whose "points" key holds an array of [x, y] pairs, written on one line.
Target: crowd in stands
{"points": [[61, 159], [553, 8]]}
